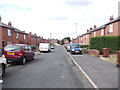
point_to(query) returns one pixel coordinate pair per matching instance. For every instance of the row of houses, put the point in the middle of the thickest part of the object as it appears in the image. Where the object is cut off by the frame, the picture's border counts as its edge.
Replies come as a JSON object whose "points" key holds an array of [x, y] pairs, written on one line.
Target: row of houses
{"points": [[12, 35], [112, 28]]}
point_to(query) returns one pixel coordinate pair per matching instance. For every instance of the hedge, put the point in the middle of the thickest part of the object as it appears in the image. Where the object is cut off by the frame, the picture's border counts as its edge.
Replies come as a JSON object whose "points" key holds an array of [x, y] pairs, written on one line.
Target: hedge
{"points": [[84, 46], [112, 42]]}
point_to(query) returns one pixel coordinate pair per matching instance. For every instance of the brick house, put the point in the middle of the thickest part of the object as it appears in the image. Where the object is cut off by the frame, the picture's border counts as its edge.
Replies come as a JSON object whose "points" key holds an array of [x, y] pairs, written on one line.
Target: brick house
{"points": [[12, 35], [112, 28]]}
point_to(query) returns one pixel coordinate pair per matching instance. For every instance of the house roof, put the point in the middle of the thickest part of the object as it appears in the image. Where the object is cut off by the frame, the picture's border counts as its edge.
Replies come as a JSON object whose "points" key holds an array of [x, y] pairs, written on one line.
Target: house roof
{"points": [[103, 26], [115, 20], [11, 27]]}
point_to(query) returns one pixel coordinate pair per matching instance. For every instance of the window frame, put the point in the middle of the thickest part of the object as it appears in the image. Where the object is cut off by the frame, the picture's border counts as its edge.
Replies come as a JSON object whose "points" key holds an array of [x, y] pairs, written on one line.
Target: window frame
{"points": [[9, 32], [110, 28]]}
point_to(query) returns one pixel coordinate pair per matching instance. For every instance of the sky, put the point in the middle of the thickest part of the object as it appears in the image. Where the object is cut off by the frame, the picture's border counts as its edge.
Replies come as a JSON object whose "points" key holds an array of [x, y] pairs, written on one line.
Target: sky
{"points": [[61, 18]]}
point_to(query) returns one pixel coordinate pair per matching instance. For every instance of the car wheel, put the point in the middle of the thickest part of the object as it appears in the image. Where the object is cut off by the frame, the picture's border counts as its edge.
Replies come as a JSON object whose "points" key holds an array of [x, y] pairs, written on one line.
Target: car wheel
{"points": [[33, 58], [23, 61]]}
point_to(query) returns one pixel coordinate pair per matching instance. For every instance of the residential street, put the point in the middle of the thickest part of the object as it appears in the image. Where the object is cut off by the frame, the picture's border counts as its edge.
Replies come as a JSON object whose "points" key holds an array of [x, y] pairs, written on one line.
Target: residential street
{"points": [[48, 70]]}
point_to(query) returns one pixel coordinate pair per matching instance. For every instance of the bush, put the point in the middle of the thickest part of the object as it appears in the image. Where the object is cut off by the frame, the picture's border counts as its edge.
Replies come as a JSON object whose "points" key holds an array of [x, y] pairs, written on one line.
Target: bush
{"points": [[105, 42], [33, 47], [84, 46]]}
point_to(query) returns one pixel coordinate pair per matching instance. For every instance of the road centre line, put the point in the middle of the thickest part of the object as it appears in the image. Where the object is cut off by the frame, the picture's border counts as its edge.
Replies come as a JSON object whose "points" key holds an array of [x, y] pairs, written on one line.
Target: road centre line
{"points": [[93, 84]]}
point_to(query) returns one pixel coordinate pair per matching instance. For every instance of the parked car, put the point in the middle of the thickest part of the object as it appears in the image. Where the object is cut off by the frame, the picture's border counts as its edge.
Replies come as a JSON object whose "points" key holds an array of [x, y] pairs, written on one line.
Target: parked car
{"points": [[75, 48], [68, 47], [18, 53], [3, 65], [44, 47], [52, 46]]}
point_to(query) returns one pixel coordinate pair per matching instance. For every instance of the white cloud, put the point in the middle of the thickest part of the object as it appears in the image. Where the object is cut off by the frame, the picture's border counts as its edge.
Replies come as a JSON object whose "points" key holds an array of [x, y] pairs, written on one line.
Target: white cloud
{"points": [[57, 16]]}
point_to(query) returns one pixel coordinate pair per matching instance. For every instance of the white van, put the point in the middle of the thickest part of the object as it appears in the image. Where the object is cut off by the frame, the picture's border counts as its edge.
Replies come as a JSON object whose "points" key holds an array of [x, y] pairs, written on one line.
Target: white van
{"points": [[44, 47]]}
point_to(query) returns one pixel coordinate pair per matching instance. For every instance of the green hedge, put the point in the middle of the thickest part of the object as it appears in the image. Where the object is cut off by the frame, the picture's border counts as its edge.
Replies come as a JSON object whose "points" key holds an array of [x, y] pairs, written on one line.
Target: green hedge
{"points": [[112, 42], [33, 47], [84, 46]]}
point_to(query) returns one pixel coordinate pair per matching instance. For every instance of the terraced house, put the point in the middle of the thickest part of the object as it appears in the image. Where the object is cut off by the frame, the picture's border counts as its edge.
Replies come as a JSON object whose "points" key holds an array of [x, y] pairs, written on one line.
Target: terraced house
{"points": [[11, 35], [112, 28]]}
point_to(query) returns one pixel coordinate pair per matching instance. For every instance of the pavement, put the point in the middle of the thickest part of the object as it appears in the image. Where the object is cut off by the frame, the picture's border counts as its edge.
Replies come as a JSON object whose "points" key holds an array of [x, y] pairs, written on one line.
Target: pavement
{"points": [[104, 74]]}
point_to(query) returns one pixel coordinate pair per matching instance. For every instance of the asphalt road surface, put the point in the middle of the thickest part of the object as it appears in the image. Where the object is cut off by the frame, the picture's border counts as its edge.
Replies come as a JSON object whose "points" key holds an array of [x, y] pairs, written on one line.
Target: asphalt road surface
{"points": [[48, 70]]}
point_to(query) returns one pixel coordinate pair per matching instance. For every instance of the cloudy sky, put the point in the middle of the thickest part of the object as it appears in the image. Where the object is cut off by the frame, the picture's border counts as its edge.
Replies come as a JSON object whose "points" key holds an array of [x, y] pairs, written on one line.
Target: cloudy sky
{"points": [[57, 16]]}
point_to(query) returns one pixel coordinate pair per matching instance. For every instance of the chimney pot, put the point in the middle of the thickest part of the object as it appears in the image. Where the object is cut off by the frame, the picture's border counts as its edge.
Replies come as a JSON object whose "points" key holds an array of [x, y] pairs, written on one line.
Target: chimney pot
{"points": [[87, 30], [24, 31], [9, 23], [90, 28], [111, 18], [95, 26], [30, 33]]}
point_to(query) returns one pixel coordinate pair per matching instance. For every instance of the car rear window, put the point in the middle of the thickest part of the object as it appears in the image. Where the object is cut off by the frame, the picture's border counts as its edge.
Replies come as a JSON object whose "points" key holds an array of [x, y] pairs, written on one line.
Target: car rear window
{"points": [[75, 46], [12, 48]]}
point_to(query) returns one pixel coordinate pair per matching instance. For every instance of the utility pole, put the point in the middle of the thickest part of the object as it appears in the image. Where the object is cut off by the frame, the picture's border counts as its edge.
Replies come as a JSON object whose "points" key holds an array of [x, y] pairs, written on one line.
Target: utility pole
{"points": [[50, 37], [76, 29]]}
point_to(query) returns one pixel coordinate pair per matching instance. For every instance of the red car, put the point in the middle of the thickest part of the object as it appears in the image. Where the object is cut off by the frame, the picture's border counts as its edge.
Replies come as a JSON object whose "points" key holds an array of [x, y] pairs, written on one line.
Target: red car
{"points": [[18, 53]]}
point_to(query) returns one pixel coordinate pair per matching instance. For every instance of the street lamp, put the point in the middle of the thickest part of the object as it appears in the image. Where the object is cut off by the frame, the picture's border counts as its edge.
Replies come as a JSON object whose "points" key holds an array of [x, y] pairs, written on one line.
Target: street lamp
{"points": [[76, 29]]}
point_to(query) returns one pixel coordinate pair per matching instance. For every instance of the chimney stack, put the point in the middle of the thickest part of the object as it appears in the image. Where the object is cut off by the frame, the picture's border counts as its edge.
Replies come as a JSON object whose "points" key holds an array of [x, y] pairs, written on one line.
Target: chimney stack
{"points": [[95, 26], [24, 31], [30, 33], [111, 18], [90, 28], [9, 23], [87, 30]]}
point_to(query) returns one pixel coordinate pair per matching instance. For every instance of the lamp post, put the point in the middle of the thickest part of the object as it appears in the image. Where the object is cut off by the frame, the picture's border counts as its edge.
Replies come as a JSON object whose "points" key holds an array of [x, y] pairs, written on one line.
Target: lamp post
{"points": [[76, 29], [50, 37]]}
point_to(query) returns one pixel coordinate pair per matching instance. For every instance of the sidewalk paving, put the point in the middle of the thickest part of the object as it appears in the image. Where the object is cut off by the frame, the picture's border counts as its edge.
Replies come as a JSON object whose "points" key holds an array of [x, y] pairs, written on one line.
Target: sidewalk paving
{"points": [[104, 74], [37, 53]]}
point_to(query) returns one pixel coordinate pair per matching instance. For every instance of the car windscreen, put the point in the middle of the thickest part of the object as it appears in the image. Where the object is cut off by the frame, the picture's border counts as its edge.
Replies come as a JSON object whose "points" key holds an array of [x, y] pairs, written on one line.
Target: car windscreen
{"points": [[12, 48], [75, 46]]}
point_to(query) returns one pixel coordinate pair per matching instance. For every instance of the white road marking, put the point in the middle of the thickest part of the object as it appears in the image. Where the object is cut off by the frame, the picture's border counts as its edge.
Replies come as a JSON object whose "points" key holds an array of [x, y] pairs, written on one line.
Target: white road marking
{"points": [[62, 77], [87, 77]]}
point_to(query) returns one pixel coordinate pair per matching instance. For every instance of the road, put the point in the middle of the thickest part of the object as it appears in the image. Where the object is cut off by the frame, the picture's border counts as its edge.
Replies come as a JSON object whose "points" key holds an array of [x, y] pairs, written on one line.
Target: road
{"points": [[48, 70]]}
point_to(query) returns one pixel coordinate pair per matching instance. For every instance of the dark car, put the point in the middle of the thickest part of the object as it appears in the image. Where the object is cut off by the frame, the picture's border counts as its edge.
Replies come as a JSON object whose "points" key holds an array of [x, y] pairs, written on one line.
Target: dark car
{"points": [[75, 48], [18, 53]]}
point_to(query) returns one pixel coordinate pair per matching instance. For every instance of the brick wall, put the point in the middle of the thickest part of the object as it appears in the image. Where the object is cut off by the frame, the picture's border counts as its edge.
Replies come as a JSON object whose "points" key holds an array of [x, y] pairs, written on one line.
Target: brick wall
{"points": [[115, 29]]}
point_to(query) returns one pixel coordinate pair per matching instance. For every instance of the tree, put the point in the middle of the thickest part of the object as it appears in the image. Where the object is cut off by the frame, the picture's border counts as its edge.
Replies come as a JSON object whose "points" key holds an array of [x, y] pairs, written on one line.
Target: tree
{"points": [[66, 38]]}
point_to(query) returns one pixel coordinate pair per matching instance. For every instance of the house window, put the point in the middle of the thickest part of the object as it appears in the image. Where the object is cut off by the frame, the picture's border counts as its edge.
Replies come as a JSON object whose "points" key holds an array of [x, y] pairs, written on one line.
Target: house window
{"points": [[9, 32], [110, 28], [102, 32], [94, 34], [86, 36], [9, 42], [24, 36], [17, 35], [81, 38]]}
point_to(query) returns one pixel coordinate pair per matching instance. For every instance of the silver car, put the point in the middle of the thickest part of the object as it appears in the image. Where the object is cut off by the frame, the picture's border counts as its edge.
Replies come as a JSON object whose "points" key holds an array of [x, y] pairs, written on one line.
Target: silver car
{"points": [[3, 64]]}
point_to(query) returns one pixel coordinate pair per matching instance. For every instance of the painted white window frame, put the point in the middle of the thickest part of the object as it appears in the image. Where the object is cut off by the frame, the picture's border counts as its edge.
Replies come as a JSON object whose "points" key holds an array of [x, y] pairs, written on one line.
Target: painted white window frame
{"points": [[17, 35], [102, 32], [24, 36], [9, 32], [110, 28], [94, 34]]}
